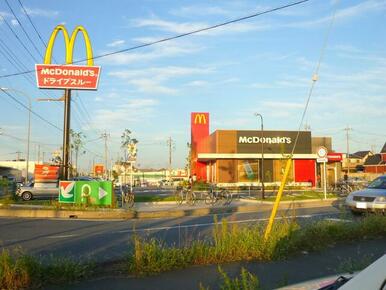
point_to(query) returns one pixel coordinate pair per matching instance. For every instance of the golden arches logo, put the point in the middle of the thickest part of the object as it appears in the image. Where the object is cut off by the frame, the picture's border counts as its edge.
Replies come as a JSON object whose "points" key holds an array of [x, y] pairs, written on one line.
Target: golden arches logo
{"points": [[69, 43], [200, 119]]}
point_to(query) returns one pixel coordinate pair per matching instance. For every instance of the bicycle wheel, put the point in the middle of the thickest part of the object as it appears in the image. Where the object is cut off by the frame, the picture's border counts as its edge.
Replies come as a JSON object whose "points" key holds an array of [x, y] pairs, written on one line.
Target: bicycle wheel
{"points": [[191, 198], [179, 196], [227, 196], [130, 200], [210, 198]]}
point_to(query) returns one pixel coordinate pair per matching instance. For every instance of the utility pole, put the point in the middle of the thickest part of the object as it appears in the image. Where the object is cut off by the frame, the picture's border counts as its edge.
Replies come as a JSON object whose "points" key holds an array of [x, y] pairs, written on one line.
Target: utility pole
{"points": [[105, 136], [38, 153], [66, 135], [18, 155], [347, 129], [169, 142]]}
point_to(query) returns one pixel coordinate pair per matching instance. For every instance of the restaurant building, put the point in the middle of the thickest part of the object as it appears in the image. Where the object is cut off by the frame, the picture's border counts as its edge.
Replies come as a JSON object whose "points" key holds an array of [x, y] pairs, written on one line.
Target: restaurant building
{"points": [[235, 156]]}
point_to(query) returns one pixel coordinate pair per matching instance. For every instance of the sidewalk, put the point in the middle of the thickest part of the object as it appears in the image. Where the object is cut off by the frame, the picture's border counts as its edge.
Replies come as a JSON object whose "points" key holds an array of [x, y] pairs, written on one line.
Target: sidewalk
{"points": [[157, 209]]}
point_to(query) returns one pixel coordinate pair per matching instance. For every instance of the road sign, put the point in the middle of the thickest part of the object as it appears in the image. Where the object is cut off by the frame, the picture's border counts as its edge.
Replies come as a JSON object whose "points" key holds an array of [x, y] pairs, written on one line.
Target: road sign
{"points": [[321, 160], [322, 152], [86, 192], [67, 191], [80, 77]]}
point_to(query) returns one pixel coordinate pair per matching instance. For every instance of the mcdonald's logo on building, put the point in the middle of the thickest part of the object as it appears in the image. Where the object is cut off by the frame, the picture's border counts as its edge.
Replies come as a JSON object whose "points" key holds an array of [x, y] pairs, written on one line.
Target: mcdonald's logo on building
{"points": [[68, 76], [200, 118]]}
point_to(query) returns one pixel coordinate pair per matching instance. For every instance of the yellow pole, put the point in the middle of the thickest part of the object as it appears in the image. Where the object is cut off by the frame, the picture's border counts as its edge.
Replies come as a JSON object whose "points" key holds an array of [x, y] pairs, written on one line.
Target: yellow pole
{"points": [[278, 197]]}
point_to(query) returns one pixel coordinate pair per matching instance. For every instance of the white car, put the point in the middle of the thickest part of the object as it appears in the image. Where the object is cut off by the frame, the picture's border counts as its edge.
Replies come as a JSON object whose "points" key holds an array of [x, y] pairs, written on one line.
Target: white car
{"points": [[372, 198]]}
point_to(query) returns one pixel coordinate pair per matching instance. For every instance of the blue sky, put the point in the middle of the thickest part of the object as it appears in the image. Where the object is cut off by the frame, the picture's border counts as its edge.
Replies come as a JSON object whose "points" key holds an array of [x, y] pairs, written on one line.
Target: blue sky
{"points": [[263, 65]]}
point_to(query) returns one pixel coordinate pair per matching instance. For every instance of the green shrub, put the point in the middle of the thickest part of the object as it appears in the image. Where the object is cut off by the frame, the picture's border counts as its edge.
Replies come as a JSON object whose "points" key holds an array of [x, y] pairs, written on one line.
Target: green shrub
{"points": [[230, 243]]}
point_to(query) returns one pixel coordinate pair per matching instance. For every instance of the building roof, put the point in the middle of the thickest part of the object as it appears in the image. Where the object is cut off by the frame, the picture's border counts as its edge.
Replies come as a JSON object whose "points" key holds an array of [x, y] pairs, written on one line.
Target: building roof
{"points": [[375, 159], [360, 154], [384, 148]]}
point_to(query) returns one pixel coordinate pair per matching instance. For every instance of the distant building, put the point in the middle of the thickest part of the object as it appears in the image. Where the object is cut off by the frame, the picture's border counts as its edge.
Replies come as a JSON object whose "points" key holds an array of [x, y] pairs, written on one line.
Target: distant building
{"points": [[376, 163], [356, 160]]}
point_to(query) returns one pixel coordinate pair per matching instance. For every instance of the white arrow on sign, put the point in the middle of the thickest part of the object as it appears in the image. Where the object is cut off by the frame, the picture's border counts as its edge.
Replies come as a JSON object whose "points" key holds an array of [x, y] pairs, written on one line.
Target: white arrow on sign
{"points": [[102, 193]]}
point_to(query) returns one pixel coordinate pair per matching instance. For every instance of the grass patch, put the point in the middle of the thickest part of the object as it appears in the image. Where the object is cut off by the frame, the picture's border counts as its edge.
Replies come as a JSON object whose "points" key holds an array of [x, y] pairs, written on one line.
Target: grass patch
{"points": [[21, 271], [245, 281], [153, 198], [231, 243]]}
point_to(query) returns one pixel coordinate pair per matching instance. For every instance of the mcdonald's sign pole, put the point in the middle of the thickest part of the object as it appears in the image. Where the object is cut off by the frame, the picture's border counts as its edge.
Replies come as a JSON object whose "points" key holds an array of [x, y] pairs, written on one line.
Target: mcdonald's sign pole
{"points": [[66, 135], [67, 77]]}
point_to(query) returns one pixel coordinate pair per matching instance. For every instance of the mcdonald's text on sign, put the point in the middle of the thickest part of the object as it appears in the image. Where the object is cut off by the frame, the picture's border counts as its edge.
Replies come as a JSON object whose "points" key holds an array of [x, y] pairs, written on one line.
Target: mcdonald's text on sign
{"points": [[51, 76]]}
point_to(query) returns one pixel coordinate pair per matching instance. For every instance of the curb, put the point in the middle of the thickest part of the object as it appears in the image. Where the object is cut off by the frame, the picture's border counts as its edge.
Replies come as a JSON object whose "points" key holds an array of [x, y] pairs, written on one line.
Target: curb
{"points": [[38, 211]]}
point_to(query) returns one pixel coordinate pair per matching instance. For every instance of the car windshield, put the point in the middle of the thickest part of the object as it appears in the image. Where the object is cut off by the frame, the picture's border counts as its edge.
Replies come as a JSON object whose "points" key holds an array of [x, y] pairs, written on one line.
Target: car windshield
{"points": [[379, 183]]}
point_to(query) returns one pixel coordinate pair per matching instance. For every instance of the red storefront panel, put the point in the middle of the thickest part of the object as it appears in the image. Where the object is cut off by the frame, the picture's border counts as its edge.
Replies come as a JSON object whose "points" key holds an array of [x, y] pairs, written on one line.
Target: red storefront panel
{"points": [[305, 170], [199, 132]]}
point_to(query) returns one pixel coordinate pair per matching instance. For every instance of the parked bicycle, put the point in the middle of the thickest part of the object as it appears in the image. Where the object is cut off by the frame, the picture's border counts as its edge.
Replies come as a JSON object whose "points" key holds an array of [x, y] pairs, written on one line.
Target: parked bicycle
{"points": [[127, 196], [216, 194], [187, 194]]}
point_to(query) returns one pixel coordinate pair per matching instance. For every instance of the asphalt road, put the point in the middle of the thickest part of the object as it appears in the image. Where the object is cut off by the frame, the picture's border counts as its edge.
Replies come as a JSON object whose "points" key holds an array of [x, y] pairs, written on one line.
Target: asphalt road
{"points": [[104, 240]]}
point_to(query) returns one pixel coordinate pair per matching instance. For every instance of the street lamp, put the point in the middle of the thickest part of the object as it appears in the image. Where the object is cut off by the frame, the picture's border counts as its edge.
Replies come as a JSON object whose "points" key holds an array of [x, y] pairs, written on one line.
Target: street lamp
{"points": [[29, 124], [262, 156]]}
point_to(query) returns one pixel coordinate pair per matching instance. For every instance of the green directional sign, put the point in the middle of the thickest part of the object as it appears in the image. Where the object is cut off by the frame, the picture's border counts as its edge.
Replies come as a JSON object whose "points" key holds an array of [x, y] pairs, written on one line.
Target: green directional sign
{"points": [[67, 191], [87, 192]]}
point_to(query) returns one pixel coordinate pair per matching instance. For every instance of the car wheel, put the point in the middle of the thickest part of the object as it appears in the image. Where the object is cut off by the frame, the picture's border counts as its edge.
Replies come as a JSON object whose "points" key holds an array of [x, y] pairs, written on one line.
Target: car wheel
{"points": [[26, 195]]}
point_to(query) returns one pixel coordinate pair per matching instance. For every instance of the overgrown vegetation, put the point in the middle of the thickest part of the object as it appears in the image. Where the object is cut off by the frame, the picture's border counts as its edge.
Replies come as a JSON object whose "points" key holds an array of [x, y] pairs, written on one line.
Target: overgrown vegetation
{"points": [[21, 271], [245, 281], [230, 243]]}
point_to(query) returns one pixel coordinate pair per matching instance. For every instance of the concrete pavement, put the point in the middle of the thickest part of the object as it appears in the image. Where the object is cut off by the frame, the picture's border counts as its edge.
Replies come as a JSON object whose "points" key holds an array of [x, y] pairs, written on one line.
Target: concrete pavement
{"points": [[157, 209], [107, 239]]}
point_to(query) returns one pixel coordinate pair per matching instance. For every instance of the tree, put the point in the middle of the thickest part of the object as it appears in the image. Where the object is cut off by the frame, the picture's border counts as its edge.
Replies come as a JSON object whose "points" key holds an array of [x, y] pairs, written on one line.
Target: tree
{"points": [[126, 141], [188, 158], [77, 143]]}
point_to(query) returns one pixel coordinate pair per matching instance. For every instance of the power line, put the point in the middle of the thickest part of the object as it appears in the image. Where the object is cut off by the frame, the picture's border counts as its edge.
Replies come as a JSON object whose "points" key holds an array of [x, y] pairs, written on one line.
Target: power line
{"points": [[33, 25], [18, 38], [22, 27], [28, 109], [177, 36]]}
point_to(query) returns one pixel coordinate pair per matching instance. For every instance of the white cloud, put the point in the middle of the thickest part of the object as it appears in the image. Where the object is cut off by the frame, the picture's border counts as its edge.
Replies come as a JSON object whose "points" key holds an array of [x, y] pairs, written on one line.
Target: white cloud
{"points": [[152, 87], [134, 111], [14, 22], [41, 12], [197, 83], [363, 8], [171, 49], [200, 10], [181, 28], [116, 43], [161, 73], [151, 80]]}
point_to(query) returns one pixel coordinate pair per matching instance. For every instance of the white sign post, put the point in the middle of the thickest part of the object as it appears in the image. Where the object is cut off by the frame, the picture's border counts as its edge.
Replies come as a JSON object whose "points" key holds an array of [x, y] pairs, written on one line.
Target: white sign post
{"points": [[322, 154]]}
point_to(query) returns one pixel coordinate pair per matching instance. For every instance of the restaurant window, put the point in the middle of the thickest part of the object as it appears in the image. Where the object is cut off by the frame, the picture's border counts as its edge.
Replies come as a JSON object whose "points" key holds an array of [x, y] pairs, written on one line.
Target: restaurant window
{"points": [[247, 170]]}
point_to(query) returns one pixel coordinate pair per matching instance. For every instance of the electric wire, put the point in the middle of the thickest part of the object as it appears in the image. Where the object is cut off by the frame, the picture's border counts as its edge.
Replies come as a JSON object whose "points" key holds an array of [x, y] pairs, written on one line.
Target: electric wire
{"points": [[314, 79], [18, 38], [30, 110], [178, 35], [34, 26], [22, 28]]}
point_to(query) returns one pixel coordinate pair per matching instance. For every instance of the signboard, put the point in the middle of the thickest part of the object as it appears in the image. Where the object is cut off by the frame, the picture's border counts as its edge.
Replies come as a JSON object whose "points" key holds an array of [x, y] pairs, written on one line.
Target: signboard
{"points": [[275, 142], [67, 191], [68, 76], [335, 157], [86, 192], [99, 169], [52, 76], [322, 152], [46, 173], [321, 160]]}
